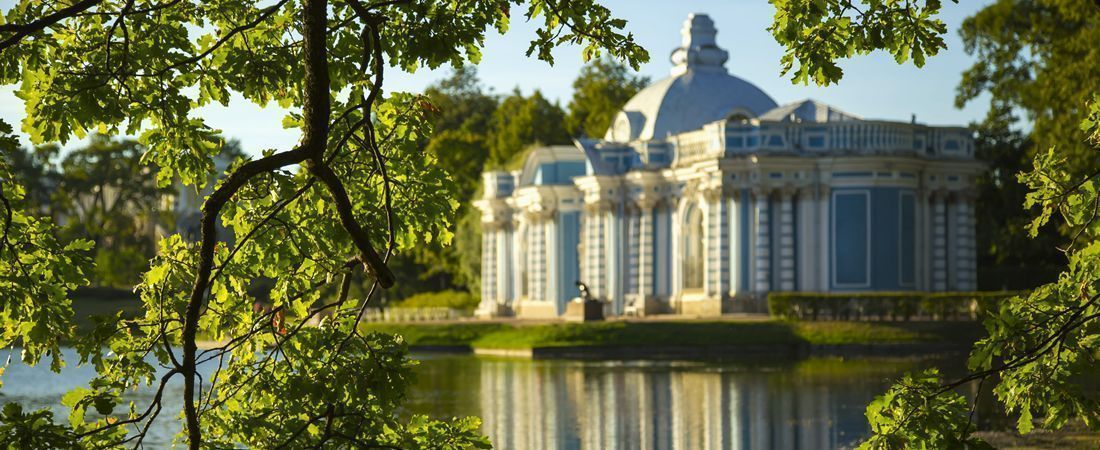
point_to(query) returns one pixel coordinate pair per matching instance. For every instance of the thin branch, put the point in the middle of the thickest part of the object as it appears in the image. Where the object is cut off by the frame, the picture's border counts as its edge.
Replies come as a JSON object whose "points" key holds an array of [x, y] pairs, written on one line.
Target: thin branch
{"points": [[24, 30]]}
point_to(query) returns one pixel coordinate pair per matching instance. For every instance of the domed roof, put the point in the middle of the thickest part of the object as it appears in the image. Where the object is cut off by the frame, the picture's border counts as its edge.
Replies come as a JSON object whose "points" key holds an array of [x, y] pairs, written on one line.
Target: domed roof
{"points": [[698, 92]]}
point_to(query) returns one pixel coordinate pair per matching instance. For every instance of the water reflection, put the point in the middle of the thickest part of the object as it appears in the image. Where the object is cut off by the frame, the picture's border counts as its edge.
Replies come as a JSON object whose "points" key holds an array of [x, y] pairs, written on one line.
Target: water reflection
{"points": [[656, 405]]}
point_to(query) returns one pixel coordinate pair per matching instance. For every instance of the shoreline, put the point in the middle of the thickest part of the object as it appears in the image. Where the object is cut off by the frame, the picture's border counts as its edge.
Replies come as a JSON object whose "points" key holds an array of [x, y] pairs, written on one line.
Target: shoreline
{"points": [[710, 353], [688, 340]]}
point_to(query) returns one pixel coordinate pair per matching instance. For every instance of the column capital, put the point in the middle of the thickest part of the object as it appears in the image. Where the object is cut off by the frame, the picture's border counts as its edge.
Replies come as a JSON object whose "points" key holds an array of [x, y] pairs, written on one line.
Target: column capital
{"points": [[938, 194], [712, 193], [647, 203], [787, 191], [966, 195], [759, 192], [538, 213], [599, 206]]}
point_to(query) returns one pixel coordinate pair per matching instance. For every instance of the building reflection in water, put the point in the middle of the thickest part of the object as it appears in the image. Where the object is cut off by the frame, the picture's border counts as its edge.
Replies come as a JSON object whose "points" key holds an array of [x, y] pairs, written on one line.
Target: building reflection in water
{"points": [[655, 405]]}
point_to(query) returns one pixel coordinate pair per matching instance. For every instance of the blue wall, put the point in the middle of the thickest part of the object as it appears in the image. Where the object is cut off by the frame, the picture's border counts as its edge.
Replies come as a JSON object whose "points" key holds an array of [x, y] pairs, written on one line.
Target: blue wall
{"points": [[850, 238], [569, 228], [561, 172], [892, 239], [907, 244]]}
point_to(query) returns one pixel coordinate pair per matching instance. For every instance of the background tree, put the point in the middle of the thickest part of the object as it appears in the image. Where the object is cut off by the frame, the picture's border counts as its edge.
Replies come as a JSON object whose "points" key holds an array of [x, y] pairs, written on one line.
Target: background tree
{"points": [[463, 112], [35, 169], [1038, 57], [363, 190], [520, 122], [1008, 259], [1041, 343], [106, 195], [599, 92]]}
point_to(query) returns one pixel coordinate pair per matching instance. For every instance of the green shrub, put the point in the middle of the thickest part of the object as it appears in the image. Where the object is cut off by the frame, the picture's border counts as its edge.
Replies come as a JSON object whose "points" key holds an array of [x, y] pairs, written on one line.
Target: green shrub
{"points": [[442, 299], [883, 306]]}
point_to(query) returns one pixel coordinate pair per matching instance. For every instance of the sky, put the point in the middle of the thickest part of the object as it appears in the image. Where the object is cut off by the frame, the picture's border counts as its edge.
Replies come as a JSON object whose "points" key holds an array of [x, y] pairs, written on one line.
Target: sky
{"points": [[874, 86]]}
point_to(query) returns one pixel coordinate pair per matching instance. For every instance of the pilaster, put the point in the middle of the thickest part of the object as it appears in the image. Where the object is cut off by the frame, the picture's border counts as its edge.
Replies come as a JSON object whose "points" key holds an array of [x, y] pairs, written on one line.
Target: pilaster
{"points": [[966, 253], [786, 240], [939, 240], [762, 240], [806, 243]]}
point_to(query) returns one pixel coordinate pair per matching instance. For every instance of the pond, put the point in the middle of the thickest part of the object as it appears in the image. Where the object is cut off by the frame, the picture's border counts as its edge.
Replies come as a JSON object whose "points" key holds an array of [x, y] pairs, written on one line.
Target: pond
{"points": [[563, 404]]}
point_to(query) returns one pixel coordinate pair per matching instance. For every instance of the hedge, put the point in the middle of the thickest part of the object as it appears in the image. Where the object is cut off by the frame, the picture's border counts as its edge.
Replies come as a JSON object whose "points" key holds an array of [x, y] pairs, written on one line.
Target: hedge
{"points": [[441, 299], [883, 306]]}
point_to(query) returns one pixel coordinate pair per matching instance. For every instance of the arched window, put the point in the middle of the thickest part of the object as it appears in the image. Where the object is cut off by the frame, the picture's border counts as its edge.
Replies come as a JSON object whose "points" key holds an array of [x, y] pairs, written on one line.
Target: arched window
{"points": [[692, 262]]}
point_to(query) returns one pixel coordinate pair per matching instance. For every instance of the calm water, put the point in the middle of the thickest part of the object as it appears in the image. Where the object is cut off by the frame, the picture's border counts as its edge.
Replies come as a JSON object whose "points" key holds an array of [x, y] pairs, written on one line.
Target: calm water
{"points": [[814, 404], [524, 404]]}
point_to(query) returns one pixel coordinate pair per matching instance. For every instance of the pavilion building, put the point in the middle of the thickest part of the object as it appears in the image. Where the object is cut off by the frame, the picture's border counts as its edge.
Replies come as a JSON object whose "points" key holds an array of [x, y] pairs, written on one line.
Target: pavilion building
{"points": [[705, 195]]}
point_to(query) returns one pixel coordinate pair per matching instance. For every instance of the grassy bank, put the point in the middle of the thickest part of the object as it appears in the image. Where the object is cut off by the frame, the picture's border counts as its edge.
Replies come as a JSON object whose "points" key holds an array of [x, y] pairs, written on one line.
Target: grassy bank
{"points": [[675, 333]]}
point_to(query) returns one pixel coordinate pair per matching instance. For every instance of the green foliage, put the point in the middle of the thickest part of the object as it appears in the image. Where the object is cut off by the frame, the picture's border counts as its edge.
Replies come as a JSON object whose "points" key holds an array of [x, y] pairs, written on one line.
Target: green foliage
{"points": [[599, 92], [816, 33], [440, 299], [36, 273], [586, 24], [1038, 345], [109, 197], [915, 414], [520, 122], [292, 372], [461, 127], [1038, 57], [1007, 257], [879, 306]]}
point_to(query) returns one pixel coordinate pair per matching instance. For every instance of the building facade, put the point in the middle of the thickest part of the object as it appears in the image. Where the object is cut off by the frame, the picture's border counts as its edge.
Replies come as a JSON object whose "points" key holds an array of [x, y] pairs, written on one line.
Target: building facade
{"points": [[705, 195]]}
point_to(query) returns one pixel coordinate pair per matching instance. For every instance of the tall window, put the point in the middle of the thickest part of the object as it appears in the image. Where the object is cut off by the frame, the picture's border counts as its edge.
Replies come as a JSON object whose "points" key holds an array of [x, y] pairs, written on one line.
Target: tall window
{"points": [[692, 262]]}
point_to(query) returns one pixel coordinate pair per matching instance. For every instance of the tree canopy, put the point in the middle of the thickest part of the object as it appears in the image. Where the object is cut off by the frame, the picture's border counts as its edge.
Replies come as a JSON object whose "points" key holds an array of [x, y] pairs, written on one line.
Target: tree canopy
{"points": [[1038, 57], [1041, 343], [362, 190], [358, 187], [599, 92], [520, 122]]}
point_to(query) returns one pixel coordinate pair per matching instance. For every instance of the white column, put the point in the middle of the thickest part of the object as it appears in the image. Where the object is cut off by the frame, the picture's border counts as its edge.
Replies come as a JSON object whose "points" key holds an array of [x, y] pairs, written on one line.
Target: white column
{"points": [[786, 240], [920, 239], [713, 263], [488, 271], [503, 263], [966, 256], [645, 250], [550, 227], [733, 202], [607, 255], [805, 241], [536, 259], [825, 238], [519, 256], [939, 242], [663, 249], [762, 242], [616, 257], [488, 263], [953, 251]]}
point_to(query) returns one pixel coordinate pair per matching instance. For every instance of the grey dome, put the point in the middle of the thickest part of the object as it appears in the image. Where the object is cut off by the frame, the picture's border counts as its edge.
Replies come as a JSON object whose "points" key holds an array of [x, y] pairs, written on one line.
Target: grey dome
{"points": [[698, 92]]}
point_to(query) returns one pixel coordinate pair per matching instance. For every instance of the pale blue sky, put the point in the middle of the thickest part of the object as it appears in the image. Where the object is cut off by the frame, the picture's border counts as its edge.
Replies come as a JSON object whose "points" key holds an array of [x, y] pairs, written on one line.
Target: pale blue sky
{"points": [[874, 86]]}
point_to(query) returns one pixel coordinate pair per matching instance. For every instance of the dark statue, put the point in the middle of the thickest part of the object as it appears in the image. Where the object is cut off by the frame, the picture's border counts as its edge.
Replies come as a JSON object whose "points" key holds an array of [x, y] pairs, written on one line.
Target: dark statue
{"points": [[585, 295]]}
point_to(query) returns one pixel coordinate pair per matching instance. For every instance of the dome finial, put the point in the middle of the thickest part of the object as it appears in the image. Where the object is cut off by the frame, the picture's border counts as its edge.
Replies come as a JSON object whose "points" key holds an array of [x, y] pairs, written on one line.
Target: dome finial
{"points": [[698, 47]]}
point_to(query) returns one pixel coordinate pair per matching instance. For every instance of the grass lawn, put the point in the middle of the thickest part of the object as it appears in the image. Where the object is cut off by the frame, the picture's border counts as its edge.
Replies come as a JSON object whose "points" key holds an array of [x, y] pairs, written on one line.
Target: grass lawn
{"points": [[672, 333]]}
